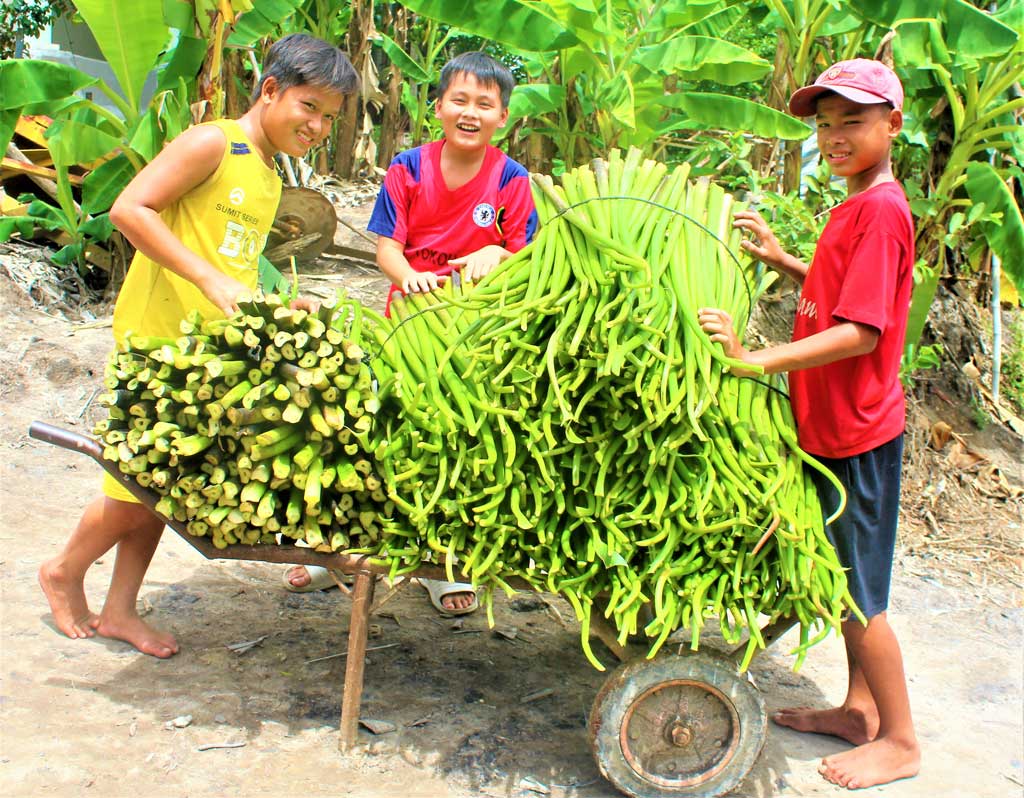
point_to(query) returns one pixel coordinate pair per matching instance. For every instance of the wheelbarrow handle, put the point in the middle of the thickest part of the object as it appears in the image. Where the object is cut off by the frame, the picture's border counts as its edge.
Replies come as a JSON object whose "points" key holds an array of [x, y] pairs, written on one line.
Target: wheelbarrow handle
{"points": [[76, 442], [66, 439]]}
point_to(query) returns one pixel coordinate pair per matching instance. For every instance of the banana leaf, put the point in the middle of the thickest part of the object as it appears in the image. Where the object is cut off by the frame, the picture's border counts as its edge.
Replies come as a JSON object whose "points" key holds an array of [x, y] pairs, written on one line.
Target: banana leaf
{"points": [[1011, 14], [406, 65], [8, 121], [921, 44], [703, 58], [38, 214], [1005, 237], [130, 34], [179, 15], [185, 62], [534, 99], [618, 99], [261, 21], [706, 17], [926, 282], [102, 185], [26, 82], [970, 32], [166, 117], [509, 22], [708, 110], [72, 142]]}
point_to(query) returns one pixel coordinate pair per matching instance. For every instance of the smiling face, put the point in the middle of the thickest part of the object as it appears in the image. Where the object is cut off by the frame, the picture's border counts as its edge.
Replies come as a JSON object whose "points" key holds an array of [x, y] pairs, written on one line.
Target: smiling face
{"points": [[298, 118], [855, 139], [470, 112]]}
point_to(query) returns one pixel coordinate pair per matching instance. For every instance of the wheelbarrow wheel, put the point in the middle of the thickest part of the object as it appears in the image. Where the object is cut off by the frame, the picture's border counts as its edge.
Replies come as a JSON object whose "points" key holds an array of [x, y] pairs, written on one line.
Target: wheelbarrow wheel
{"points": [[686, 725]]}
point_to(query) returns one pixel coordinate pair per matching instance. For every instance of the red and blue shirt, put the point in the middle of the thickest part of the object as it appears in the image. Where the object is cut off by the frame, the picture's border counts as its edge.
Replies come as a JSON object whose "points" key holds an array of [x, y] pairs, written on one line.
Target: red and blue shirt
{"points": [[416, 208]]}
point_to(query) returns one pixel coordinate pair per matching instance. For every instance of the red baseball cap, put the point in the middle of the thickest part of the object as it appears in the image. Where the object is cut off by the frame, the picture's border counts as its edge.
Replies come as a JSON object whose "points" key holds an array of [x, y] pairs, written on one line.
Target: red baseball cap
{"points": [[862, 80]]}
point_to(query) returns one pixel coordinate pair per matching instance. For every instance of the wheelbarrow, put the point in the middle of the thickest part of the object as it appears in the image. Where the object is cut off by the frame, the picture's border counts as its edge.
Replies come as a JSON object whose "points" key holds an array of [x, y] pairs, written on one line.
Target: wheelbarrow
{"points": [[681, 724]]}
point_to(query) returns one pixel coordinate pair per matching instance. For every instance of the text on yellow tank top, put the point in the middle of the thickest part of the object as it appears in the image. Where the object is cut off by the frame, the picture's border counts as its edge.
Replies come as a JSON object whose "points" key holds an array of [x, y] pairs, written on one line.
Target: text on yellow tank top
{"points": [[225, 220]]}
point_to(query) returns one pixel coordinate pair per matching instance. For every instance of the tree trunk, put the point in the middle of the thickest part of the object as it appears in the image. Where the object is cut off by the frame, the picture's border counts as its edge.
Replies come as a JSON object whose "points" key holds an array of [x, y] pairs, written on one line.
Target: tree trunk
{"points": [[792, 164], [236, 98], [540, 153], [765, 156], [345, 137], [210, 82], [357, 41], [391, 127], [391, 124]]}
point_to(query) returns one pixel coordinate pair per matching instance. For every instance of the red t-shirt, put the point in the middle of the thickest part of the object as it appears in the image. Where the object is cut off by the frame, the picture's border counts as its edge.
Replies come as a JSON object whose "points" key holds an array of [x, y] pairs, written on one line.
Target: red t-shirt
{"points": [[862, 271], [416, 208]]}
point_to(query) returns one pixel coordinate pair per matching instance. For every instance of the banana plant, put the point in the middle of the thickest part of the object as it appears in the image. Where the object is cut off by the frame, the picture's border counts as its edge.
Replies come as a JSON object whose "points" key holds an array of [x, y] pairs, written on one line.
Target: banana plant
{"points": [[625, 82], [420, 68], [607, 73], [812, 33], [134, 36], [514, 24], [960, 66]]}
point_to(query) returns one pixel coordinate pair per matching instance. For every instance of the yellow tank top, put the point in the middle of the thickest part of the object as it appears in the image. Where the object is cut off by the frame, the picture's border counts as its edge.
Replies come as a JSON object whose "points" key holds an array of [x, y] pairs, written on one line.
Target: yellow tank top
{"points": [[225, 220]]}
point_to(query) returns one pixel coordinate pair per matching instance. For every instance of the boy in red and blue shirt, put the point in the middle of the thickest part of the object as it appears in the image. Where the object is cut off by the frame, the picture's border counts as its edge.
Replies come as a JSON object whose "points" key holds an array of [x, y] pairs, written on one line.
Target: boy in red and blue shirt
{"points": [[844, 361], [456, 203]]}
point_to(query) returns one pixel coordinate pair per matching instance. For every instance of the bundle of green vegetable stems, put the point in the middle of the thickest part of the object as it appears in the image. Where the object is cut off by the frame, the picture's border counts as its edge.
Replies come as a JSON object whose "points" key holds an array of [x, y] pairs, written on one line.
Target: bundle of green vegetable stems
{"points": [[564, 421]]}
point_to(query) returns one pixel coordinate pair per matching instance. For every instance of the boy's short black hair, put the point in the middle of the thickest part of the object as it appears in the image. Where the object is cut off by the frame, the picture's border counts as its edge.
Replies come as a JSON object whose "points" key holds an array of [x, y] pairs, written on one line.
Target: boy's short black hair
{"points": [[481, 66], [299, 59]]}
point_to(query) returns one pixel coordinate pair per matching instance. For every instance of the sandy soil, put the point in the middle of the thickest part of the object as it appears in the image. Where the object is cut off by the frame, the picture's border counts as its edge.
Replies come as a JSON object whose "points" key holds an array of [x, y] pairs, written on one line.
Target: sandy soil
{"points": [[96, 718]]}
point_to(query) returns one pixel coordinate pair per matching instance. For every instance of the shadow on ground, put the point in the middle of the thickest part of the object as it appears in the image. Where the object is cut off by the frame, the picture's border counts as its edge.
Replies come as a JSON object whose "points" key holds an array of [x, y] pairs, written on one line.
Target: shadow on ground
{"points": [[453, 690]]}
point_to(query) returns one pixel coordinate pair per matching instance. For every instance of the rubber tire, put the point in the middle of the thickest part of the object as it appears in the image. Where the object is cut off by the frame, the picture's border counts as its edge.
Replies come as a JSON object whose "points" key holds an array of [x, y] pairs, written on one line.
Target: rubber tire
{"points": [[634, 679]]}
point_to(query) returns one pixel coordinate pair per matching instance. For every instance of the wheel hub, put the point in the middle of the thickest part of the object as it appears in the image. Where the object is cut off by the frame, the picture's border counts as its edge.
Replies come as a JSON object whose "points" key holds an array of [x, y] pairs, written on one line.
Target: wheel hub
{"points": [[680, 733]]}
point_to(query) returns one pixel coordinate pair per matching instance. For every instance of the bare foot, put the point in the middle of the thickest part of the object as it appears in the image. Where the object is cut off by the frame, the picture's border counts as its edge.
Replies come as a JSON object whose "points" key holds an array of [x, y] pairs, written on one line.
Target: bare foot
{"points": [[878, 762], [297, 576], [852, 725], [67, 601], [132, 629], [458, 601]]}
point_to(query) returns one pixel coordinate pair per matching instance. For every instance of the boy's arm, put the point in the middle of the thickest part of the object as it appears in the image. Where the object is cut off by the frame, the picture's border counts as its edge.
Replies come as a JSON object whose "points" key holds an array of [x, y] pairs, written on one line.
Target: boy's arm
{"points": [[392, 261], [846, 339], [765, 246], [181, 166]]}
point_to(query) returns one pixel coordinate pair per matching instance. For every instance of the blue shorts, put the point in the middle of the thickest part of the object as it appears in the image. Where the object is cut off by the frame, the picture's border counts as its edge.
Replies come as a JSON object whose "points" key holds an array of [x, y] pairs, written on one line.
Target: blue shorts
{"points": [[864, 536]]}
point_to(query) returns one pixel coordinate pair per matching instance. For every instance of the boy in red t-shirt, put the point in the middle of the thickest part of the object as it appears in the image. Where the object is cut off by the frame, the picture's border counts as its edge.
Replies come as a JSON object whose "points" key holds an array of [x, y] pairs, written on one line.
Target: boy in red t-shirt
{"points": [[456, 203], [844, 360]]}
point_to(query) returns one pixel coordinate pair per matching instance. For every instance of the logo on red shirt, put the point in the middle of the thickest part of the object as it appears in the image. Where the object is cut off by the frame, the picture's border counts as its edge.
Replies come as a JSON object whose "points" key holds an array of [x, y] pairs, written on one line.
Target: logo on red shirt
{"points": [[807, 307], [483, 214]]}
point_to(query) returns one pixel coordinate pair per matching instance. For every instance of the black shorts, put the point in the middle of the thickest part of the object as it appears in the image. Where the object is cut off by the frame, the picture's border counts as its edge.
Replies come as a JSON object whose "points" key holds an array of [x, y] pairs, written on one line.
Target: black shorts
{"points": [[864, 536]]}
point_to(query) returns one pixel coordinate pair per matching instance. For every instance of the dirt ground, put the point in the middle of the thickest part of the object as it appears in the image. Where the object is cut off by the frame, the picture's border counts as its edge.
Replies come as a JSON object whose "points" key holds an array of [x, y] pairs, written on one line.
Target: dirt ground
{"points": [[97, 718]]}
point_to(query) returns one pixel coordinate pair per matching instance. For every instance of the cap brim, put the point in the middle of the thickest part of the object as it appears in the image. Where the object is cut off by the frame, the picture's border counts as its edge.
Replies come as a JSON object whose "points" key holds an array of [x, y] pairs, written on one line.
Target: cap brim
{"points": [[802, 101]]}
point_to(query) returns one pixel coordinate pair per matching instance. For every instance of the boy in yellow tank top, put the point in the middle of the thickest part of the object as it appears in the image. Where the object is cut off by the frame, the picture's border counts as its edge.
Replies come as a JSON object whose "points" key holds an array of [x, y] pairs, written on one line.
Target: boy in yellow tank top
{"points": [[198, 215]]}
